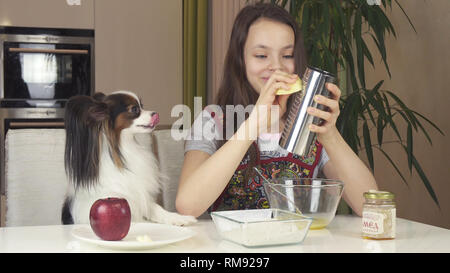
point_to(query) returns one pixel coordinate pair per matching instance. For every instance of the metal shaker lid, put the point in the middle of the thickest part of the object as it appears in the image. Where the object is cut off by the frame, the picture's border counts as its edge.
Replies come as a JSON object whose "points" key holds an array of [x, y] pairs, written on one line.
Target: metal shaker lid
{"points": [[322, 71]]}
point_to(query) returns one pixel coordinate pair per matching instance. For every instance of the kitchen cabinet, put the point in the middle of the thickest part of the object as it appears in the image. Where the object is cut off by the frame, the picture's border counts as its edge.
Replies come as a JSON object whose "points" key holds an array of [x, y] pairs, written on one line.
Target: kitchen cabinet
{"points": [[139, 48], [47, 13]]}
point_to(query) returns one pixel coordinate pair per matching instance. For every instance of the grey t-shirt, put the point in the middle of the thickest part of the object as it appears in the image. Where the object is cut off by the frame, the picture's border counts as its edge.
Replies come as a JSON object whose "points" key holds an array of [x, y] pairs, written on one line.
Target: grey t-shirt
{"points": [[205, 137]]}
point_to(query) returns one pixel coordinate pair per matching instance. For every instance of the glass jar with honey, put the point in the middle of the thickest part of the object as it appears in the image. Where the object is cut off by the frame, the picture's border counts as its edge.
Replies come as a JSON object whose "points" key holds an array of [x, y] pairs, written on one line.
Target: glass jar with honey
{"points": [[379, 215]]}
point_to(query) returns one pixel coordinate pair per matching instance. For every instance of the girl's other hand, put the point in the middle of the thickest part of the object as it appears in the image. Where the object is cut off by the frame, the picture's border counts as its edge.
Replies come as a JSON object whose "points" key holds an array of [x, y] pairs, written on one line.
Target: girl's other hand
{"points": [[327, 130]]}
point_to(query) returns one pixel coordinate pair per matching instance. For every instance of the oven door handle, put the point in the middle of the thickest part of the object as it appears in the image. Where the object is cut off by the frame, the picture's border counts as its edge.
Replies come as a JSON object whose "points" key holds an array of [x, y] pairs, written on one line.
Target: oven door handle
{"points": [[51, 51], [39, 124]]}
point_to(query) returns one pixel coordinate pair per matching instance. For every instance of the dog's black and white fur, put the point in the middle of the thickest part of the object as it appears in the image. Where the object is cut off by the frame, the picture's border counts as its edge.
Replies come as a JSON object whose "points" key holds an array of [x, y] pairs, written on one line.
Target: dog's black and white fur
{"points": [[103, 158]]}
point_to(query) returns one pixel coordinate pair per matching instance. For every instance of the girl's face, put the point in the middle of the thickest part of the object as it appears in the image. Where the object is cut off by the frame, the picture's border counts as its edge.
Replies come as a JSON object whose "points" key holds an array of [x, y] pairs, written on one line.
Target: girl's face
{"points": [[269, 47]]}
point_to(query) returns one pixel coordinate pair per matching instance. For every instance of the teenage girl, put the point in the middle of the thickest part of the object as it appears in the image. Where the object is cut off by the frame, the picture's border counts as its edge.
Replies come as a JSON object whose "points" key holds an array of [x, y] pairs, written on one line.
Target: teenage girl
{"points": [[265, 53]]}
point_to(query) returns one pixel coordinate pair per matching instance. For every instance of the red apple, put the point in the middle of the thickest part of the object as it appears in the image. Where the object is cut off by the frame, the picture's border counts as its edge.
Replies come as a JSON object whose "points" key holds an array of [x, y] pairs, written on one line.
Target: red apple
{"points": [[110, 218]]}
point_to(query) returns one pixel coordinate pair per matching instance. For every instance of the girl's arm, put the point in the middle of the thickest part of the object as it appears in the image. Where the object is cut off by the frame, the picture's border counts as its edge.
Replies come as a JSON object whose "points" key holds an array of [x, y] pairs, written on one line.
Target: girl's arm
{"points": [[204, 177], [344, 164]]}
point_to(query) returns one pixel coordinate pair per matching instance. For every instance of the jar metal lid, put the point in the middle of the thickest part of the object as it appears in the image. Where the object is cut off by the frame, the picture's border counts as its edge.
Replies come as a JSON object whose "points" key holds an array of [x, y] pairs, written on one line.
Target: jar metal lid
{"points": [[372, 194]]}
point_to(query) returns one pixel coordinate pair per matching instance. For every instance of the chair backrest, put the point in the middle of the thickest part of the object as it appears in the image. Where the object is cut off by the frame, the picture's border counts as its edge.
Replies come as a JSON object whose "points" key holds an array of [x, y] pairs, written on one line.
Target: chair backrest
{"points": [[36, 182], [170, 154]]}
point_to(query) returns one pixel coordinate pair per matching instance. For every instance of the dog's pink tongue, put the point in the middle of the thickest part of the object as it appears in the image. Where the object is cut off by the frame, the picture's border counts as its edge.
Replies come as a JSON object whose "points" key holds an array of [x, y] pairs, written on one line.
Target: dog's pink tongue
{"points": [[154, 120]]}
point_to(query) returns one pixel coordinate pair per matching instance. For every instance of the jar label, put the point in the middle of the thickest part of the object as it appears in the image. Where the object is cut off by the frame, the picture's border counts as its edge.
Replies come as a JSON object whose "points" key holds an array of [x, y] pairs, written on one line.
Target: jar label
{"points": [[372, 223]]}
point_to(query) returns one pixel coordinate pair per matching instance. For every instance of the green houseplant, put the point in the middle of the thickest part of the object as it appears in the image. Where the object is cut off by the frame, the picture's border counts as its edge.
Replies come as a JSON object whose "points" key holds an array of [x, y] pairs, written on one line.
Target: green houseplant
{"points": [[334, 34]]}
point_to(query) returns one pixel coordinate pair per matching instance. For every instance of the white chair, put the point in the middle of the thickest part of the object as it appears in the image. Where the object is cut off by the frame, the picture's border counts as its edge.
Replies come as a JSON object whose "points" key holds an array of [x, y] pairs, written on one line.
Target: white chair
{"points": [[35, 177], [170, 153], [170, 156]]}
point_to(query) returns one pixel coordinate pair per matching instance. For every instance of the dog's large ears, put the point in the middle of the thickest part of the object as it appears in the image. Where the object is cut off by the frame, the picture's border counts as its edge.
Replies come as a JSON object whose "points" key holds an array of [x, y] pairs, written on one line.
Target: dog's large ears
{"points": [[98, 112], [86, 110], [99, 96], [83, 122]]}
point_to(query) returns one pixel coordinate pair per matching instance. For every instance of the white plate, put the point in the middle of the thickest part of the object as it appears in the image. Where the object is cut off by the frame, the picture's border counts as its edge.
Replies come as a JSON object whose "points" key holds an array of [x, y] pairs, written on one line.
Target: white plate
{"points": [[160, 234]]}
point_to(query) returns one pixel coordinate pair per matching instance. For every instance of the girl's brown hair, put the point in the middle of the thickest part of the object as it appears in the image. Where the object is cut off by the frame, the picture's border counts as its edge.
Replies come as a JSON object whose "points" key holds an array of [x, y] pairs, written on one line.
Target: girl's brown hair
{"points": [[235, 89]]}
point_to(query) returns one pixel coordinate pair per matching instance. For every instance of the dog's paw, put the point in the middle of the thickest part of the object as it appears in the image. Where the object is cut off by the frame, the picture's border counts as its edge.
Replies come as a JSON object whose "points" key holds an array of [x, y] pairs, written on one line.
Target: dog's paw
{"points": [[179, 220]]}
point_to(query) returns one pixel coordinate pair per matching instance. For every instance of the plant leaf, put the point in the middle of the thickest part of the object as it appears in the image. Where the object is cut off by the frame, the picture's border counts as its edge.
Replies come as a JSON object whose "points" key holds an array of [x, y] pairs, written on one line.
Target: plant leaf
{"points": [[424, 179], [368, 145], [407, 111], [409, 20], [389, 117], [348, 120], [347, 52], [359, 50], [380, 129], [409, 146], [384, 20], [375, 100], [429, 121], [366, 52], [425, 133], [382, 51], [393, 164]]}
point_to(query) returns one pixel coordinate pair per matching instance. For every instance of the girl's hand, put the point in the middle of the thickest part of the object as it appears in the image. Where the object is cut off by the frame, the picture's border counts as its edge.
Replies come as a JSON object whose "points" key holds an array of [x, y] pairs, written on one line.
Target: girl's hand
{"points": [[268, 98], [327, 130]]}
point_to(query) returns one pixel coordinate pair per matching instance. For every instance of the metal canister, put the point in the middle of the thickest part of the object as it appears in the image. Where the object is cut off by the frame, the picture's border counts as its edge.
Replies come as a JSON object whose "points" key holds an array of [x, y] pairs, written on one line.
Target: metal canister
{"points": [[296, 136]]}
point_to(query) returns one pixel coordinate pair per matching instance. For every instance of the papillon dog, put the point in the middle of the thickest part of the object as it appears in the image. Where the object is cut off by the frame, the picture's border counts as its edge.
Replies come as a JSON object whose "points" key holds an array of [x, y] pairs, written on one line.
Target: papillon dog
{"points": [[103, 159]]}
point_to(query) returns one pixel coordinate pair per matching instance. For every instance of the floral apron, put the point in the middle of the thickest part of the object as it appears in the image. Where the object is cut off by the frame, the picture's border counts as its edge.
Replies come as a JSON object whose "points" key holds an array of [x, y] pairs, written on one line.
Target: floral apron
{"points": [[240, 194]]}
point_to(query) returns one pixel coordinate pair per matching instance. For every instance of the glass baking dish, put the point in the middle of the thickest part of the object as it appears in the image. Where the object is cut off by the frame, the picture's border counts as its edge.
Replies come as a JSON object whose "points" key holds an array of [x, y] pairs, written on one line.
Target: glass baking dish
{"points": [[261, 227]]}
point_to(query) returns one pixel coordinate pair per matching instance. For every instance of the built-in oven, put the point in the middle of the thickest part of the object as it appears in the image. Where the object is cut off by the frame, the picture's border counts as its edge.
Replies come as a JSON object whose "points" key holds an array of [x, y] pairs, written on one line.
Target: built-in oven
{"points": [[40, 69], [43, 68]]}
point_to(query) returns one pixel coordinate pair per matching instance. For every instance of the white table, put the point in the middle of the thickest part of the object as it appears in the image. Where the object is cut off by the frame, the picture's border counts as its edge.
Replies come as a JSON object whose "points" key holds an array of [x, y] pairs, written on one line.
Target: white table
{"points": [[342, 235]]}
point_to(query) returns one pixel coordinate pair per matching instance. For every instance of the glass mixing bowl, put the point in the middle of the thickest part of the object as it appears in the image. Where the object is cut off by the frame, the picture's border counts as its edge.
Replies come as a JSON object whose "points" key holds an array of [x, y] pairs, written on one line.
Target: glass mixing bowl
{"points": [[313, 197]]}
